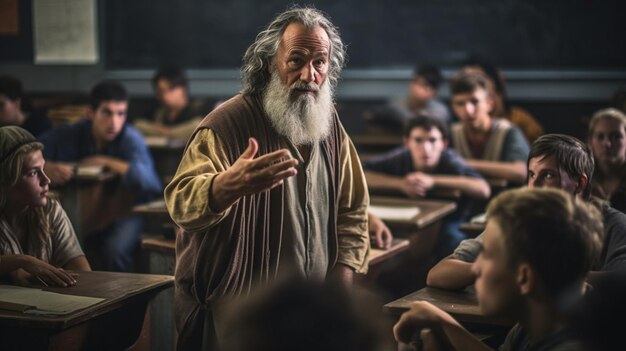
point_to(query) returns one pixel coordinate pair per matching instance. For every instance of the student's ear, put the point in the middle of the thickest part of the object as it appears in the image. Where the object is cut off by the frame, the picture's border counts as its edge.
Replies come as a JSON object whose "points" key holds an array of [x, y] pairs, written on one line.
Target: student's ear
{"points": [[445, 143], [525, 278], [90, 113], [581, 185]]}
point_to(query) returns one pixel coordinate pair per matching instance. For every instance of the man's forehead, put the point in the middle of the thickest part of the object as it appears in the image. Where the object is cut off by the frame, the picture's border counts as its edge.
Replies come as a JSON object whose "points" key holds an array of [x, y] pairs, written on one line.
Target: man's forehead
{"points": [[297, 36]]}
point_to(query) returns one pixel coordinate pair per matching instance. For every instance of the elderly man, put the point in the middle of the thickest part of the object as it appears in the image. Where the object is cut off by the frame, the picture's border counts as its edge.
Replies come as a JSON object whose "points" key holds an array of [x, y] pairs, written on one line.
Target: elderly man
{"points": [[269, 184]]}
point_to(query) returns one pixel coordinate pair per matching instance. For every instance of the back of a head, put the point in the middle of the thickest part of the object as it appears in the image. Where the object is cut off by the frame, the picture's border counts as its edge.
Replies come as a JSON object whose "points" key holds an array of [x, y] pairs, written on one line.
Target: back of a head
{"points": [[431, 74], [427, 123], [174, 75], [11, 87], [303, 315], [107, 90], [554, 232], [573, 156]]}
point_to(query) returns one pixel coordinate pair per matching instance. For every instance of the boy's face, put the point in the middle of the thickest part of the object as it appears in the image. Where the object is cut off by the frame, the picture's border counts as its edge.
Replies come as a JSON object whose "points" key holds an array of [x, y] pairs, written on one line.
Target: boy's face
{"points": [[544, 171], [108, 120], [608, 141], [496, 288], [420, 90], [473, 109], [169, 95], [425, 147], [9, 110]]}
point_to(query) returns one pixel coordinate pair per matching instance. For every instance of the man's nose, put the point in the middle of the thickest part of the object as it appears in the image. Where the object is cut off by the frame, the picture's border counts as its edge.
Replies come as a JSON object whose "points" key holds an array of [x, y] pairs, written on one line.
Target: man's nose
{"points": [[308, 73]]}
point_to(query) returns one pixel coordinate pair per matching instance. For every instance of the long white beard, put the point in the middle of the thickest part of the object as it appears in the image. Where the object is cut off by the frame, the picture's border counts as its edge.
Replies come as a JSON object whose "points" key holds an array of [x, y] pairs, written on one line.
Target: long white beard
{"points": [[303, 120]]}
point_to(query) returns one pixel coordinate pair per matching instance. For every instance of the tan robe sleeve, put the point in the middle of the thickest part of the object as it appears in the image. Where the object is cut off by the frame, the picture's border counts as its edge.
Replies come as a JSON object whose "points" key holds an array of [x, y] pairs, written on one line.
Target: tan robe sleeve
{"points": [[352, 234], [187, 195]]}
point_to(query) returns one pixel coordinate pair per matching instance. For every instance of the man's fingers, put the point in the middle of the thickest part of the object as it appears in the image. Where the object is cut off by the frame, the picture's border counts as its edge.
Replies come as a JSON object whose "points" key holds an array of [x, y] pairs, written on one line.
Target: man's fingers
{"points": [[251, 150]]}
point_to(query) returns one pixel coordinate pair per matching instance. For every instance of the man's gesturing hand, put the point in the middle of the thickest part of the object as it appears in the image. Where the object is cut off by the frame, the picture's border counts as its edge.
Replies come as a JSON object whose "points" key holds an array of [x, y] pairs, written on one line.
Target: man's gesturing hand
{"points": [[250, 175]]}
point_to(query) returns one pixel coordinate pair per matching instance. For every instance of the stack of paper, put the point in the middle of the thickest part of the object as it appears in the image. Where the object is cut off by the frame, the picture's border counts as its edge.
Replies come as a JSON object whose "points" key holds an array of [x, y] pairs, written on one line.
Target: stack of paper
{"points": [[37, 301], [395, 213], [89, 171]]}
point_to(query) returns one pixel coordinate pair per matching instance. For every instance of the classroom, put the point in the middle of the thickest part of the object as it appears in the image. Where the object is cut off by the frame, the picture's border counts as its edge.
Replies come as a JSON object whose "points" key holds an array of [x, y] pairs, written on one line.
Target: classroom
{"points": [[280, 175]]}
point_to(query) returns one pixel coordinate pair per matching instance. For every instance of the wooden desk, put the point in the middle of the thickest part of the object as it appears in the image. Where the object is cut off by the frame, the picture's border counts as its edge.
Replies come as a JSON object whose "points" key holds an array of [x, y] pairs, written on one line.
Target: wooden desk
{"points": [[460, 304], [463, 307], [422, 231], [93, 202], [113, 324], [472, 229]]}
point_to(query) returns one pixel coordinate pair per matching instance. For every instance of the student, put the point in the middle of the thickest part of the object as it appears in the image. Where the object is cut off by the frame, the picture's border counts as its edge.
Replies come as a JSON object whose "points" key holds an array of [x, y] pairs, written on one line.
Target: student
{"points": [[175, 115], [538, 247], [37, 241], [103, 139], [491, 145], [11, 112], [556, 161], [502, 108], [421, 99], [425, 163], [607, 139]]}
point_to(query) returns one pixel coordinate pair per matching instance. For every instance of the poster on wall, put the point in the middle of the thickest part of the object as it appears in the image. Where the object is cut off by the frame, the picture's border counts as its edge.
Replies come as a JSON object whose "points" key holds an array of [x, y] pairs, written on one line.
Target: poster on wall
{"points": [[65, 31]]}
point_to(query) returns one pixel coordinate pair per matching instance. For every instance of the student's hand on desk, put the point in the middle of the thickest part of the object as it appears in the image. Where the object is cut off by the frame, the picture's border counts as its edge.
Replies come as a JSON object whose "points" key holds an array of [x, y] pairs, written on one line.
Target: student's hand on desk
{"points": [[37, 272], [416, 184], [421, 315], [59, 172], [250, 175], [380, 234]]}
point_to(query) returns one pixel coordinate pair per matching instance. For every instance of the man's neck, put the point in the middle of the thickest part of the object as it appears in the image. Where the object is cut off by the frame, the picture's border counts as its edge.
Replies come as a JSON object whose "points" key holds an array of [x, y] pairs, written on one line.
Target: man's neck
{"points": [[541, 320]]}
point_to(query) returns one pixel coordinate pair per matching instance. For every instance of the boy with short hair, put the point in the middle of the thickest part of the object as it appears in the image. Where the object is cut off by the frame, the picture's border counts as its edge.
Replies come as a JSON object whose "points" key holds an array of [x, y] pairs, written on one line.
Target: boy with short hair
{"points": [[537, 249], [424, 163], [493, 146], [555, 161], [175, 114], [103, 139]]}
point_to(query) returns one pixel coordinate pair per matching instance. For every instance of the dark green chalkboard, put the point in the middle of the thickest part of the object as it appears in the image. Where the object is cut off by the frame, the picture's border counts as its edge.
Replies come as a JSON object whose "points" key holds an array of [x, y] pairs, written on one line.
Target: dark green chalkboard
{"points": [[526, 34]]}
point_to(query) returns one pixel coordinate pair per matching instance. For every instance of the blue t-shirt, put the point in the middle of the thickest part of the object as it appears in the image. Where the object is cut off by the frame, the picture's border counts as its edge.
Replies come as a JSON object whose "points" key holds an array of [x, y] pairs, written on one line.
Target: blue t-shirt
{"points": [[398, 162], [73, 142]]}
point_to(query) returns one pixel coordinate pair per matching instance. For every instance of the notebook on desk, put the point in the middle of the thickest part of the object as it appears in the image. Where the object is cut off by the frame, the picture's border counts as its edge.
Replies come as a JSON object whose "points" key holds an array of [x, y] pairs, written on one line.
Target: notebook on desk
{"points": [[40, 302]]}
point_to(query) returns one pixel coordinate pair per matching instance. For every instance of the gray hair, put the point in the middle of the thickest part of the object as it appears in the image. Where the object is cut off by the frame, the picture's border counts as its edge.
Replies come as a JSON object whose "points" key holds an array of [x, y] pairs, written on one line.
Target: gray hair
{"points": [[255, 73]]}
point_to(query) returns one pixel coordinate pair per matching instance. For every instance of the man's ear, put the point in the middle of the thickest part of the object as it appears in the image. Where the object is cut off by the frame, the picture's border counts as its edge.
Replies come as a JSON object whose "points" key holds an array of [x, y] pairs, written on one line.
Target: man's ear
{"points": [[581, 185], [405, 142], [445, 143], [90, 113], [525, 278]]}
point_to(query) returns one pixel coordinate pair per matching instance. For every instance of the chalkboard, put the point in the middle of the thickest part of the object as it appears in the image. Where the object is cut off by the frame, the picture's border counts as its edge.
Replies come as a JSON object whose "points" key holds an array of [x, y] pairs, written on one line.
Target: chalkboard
{"points": [[525, 34]]}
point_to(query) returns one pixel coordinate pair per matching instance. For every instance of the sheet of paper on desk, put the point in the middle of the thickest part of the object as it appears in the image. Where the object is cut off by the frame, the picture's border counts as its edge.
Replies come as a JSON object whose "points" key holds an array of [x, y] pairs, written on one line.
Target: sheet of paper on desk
{"points": [[37, 301], [85, 170], [153, 140], [395, 212]]}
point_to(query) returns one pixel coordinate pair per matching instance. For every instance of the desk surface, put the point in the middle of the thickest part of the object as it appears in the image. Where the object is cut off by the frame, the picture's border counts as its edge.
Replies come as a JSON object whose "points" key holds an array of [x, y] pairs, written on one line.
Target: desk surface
{"points": [[380, 255], [115, 288], [461, 305], [430, 210]]}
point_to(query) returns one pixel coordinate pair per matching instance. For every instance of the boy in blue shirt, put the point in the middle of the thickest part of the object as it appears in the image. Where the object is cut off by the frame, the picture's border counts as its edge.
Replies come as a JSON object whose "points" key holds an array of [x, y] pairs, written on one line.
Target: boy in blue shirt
{"points": [[103, 139]]}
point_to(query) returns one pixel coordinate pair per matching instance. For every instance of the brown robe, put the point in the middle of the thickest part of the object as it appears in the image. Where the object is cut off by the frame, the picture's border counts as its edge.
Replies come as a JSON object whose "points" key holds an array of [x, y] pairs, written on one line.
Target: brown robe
{"points": [[243, 249]]}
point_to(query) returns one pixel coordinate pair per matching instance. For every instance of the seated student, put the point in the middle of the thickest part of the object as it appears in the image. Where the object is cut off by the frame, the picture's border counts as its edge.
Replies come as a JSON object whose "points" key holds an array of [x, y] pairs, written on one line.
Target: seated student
{"points": [[425, 163], [11, 113], [518, 116], [37, 241], [421, 99], [537, 249], [175, 115], [556, 161], [607, 139], [491, 145], [103, 139]]}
